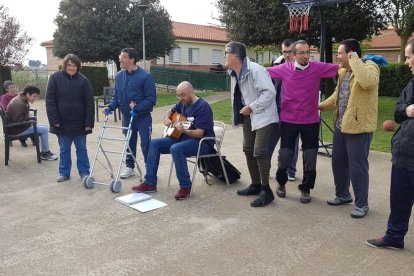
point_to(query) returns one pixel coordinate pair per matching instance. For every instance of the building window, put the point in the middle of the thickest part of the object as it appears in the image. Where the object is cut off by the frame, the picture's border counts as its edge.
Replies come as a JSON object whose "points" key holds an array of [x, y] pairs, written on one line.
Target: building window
{"points": [[175, 55], [193, 55], [216, 56]]}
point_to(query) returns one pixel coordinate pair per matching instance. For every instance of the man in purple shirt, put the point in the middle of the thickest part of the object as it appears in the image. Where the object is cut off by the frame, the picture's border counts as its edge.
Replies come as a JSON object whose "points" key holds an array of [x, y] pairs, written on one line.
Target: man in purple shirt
{"points": [[299, 114]]}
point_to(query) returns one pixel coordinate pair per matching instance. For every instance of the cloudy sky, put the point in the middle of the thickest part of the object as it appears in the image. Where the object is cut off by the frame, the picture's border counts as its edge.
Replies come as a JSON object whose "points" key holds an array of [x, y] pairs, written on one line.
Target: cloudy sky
{"points": [[36, 17]]}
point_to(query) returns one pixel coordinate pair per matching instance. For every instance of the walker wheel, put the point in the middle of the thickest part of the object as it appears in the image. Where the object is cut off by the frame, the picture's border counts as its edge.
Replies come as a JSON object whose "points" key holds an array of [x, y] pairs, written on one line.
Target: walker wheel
{"points": [[88, 182], [115, 186]]}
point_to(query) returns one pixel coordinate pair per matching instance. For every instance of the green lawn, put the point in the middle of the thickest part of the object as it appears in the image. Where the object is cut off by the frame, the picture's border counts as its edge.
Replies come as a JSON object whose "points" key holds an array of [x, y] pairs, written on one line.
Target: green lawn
{"points": [[171, 98], [380, 142]]}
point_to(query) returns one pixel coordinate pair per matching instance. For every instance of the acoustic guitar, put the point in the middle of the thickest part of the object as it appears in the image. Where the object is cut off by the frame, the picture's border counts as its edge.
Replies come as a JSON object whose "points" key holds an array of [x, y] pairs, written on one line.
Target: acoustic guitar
{"points": [[177, 120]]}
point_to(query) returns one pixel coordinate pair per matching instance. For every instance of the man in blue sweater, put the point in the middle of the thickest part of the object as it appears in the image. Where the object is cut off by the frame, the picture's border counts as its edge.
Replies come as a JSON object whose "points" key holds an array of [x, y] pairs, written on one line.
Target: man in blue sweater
{"points": [[134, 91]]}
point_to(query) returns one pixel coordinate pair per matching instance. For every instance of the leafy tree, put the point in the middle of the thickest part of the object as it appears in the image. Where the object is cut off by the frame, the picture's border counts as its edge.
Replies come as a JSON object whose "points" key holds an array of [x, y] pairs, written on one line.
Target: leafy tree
{"points": [[13, 42], [265, 22], [401, 15], [97, 30], [34, 63]]}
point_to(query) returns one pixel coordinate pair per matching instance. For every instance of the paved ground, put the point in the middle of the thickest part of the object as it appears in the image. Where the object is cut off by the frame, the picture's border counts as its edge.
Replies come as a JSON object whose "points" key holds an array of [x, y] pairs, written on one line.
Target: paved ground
{"points": [[49, 228]]}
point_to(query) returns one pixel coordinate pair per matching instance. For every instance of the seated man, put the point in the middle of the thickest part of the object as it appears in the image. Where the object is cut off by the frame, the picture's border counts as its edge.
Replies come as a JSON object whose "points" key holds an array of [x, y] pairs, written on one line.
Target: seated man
{"points": [[18, 111], [200, 115]]}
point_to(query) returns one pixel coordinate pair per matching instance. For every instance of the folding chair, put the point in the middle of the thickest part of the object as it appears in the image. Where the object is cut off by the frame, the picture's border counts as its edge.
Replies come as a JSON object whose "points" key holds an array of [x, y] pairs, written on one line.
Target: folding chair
{"points": [[104, 100], [8, 138], [219, 130]]}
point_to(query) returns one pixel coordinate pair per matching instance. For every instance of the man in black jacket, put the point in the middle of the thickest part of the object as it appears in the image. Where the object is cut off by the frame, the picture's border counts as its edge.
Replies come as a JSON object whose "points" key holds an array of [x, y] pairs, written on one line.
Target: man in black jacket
{"points": [[70, 110], [402, 173]]}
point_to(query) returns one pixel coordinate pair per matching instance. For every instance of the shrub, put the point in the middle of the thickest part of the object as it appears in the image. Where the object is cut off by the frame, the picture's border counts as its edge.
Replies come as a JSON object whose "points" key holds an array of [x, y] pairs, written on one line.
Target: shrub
{"points": [[393, 79], [98, 76], [5, 74]]}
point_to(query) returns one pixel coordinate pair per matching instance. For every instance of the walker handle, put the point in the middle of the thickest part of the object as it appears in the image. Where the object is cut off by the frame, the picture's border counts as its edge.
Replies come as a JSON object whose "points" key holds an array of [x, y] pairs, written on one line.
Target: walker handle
{"points": [[133, 113]]}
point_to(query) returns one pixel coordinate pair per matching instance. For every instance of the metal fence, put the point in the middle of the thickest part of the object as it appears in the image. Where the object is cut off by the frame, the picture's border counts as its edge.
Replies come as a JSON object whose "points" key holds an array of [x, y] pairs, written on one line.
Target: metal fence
{"points": [[201, 80], [34, 77]]}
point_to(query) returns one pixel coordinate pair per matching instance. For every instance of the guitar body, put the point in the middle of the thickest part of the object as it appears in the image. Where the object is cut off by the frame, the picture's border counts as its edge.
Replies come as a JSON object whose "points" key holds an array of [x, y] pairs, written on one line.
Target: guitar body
{"points": [[176, 120]]}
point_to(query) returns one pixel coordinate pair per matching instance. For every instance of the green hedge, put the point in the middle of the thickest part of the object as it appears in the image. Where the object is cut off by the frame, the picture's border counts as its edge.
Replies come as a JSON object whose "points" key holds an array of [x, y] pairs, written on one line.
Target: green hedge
{"points": [[98, 76], [393, 79]]}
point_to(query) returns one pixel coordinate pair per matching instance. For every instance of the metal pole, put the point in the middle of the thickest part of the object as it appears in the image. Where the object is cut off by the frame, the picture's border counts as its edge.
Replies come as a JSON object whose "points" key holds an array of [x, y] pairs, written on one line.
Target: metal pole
{"points": [[143, 42]]}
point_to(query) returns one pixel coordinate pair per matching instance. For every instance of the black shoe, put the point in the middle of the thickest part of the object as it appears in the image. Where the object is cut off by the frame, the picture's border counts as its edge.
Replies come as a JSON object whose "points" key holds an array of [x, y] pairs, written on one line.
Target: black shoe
{"points": [[281, 191], [381, 243], [23, 142], [305, 197], [263, 199], [251, 190]]}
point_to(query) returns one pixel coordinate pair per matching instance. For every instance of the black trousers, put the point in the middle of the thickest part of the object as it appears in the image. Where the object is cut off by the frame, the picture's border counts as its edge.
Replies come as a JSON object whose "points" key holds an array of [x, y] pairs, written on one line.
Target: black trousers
{"points": [[309, 136]]}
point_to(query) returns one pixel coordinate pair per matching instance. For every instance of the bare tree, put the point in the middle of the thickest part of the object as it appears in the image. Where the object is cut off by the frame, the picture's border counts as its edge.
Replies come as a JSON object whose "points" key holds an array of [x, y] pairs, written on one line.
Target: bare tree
{"points": [[13, 42]]}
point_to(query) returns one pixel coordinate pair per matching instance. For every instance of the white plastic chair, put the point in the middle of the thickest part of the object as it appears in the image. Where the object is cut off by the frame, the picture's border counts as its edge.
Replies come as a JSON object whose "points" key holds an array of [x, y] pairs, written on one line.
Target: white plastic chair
{"points": [[219, 130]]}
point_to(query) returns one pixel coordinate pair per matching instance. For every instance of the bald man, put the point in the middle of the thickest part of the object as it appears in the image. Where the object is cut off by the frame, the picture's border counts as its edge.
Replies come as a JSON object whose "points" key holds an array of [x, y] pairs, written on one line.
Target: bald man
{"points": [[200, 116]]}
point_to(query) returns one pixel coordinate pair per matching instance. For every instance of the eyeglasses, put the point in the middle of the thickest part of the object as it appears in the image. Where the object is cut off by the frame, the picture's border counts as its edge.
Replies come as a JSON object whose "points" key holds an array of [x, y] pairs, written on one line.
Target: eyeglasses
{"points": [[227, 53], [302, 53], [287, 52], [181, 96]]}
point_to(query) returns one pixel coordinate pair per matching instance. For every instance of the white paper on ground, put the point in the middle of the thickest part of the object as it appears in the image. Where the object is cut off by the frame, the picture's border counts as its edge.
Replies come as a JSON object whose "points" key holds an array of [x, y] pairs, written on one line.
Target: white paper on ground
{"points": [[148, 205], [133, 198]]}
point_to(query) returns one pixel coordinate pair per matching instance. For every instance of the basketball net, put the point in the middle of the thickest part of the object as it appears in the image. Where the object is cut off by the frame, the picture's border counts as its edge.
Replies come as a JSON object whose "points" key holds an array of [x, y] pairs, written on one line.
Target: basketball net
{"points": [[299, 15]]}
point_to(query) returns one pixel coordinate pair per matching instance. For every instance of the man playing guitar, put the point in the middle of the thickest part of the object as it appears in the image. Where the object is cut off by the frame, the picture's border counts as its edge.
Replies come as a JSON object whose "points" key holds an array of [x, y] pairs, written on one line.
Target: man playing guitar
{"points": [[196, 111]]}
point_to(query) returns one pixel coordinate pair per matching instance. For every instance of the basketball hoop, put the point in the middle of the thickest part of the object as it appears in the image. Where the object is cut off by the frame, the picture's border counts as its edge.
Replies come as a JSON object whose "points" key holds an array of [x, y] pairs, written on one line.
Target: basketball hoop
{"points": [[299, 15]]}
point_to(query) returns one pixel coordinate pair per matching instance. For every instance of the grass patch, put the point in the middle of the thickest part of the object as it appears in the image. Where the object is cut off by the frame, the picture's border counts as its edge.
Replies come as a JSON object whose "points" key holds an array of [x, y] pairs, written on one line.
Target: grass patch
{"points": [[381, 140], [170, 98]]}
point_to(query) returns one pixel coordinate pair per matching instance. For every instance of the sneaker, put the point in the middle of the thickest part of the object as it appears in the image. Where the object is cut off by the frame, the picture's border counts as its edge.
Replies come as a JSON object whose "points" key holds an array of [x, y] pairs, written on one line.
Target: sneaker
{"points": [[263, 199], [62, 178], [359, 212], [250, 190], [128, 172], [48, 156], [381, 243], [23, 143], [183, 194], [145, 188], [339, 201], [291, 177], [305, 197], [281, 191]]}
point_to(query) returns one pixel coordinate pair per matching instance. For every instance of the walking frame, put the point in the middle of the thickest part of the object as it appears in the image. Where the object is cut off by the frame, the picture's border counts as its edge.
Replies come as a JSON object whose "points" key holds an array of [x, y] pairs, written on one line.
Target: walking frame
{"points": [[115, 184]]}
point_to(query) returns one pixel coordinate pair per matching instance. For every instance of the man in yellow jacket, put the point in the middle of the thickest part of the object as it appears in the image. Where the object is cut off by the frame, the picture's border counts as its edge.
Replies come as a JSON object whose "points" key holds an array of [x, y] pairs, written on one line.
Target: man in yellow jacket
{"points": [[355, 101]]}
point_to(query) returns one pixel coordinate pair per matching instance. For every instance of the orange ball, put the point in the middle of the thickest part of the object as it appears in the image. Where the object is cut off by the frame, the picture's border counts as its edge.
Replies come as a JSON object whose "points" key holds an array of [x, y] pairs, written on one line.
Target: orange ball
{"points": [[388, 125]]}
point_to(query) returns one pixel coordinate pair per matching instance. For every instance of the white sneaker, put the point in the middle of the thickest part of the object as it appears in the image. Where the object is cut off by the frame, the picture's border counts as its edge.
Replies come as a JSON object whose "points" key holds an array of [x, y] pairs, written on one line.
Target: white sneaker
{"points": [[128, 172]]}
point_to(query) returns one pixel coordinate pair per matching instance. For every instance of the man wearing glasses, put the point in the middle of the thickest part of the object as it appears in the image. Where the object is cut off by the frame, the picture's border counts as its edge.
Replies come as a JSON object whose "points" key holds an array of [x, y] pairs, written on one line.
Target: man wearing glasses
{"points": [[254, 107], [287, 46], [134, 90], [200, 116], [299, 113]]}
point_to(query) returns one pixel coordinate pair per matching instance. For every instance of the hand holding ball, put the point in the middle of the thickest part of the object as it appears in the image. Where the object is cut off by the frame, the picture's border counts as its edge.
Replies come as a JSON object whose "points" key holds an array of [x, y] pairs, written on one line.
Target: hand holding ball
{"points": [[388, 125]]}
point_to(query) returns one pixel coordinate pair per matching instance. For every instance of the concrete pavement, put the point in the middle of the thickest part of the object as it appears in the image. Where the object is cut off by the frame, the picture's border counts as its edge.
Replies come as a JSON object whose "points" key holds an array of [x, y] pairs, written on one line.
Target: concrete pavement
{"points": [[49, 228]]}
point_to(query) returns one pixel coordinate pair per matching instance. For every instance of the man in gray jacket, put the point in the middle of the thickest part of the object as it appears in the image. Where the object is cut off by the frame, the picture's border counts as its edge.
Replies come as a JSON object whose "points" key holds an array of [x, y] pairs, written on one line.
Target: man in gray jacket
{"points": [[254, 107]]}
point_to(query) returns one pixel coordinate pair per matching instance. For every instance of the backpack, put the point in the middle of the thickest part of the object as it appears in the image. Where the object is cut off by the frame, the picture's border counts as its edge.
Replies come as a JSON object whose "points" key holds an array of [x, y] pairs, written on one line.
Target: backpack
{"points": [[212, 166]]}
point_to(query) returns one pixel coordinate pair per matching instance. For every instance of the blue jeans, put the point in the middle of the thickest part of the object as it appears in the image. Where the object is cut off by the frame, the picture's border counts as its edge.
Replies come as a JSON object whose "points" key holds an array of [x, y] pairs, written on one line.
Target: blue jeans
{"points": [[141, 124], [402, 200], [43, 131], [65, 162], [179, 149]]}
